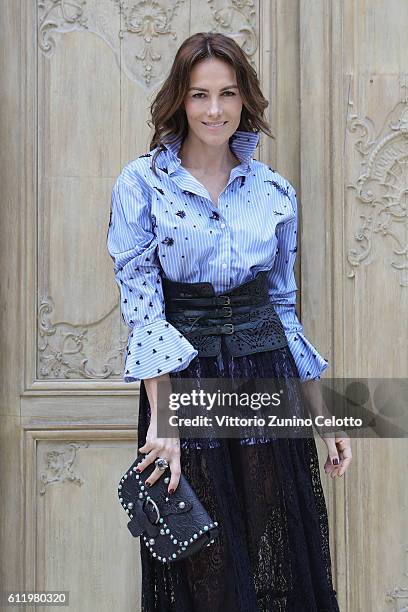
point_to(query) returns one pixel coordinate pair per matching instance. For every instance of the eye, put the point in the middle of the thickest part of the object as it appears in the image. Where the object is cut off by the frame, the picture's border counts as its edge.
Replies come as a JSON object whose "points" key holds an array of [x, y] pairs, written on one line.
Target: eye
{"points": [[202, 93]]}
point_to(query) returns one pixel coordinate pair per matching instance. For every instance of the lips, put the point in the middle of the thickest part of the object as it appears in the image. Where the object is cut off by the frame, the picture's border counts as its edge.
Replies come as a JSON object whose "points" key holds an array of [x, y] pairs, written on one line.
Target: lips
{"points": [[214, 125]]}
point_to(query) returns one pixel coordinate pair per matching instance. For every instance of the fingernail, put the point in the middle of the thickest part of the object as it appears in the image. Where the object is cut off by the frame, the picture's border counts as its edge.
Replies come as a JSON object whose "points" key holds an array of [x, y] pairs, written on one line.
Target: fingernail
{"points": [[148, 484], [335, 461], [171, 491]]}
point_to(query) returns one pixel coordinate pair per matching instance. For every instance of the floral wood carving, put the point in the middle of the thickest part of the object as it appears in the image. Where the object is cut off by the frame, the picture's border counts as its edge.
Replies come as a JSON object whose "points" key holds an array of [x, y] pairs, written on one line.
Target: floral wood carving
{"points": [[59, 466], [398, 593], [143, 35], [59, 16], [382, 189], [236, 19], [69, 351]]}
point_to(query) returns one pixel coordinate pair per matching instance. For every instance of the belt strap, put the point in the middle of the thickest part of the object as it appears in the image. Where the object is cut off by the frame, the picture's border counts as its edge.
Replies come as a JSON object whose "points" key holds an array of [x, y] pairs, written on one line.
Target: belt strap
{"points": [[219, 300], [227, 328]]}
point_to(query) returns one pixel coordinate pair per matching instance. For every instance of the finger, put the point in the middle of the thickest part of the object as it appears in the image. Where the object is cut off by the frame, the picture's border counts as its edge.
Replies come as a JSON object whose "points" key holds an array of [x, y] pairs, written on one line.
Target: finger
{"points": [[346, 460], [346, 464], [147, 459], [154, 477], [328, 466], [175, 469]]}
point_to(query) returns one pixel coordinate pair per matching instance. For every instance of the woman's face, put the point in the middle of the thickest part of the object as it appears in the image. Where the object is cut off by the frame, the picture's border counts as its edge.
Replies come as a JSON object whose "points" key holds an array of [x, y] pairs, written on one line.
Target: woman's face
{"points": [[213, 97]]}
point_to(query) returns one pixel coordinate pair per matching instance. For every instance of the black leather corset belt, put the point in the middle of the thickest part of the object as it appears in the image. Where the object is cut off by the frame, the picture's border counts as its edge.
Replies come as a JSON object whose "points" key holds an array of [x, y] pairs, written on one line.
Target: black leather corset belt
{"points": [[244, 317]]}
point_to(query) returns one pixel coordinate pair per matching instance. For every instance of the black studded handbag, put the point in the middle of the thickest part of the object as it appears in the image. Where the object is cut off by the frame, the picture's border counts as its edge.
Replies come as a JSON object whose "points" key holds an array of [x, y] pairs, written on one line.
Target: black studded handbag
{"points": [[172, 526]]}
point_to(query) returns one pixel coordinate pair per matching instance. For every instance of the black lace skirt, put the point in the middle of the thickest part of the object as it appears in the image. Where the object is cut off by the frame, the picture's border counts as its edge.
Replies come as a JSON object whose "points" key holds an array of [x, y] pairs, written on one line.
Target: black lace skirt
{"points": [[272, 554]]}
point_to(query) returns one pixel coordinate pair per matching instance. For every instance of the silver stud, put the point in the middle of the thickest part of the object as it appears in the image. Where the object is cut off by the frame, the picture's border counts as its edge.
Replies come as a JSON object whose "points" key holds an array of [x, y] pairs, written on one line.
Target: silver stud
{"points": [[140, 495], [195, 536], [142, 488], [175, 541], [181, 504], [121, 499], [174, 555], [211, 525], [166, 499], [154, 554], [183, 548], [159, 558], [200, 532], [137, 476], [127, 510], [164, 559], [122, 479], [161, 520], [186, 543], [119, 487], [191, 540], [162, 532], [151, 541], [130, 505], [205, 527], [131, 515], [125, 476], [215, 523], [167, 480], [167, 530]]}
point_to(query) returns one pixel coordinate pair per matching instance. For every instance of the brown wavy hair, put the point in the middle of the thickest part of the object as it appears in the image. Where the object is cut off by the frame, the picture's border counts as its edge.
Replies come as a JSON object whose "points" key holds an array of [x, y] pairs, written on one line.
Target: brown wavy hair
{"points": [[169, 118]]}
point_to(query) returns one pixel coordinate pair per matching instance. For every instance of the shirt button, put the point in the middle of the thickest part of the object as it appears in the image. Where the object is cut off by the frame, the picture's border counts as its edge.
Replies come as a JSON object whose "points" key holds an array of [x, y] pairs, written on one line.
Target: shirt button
{"points": [[222, 225], [224, 265]]}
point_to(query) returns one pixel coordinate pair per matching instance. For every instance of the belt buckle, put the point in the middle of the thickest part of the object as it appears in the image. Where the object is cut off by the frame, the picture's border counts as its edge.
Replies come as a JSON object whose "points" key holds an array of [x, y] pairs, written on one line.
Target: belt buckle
{"points": [[227, 298], [155, 508], [230, 325], [227, 311]]}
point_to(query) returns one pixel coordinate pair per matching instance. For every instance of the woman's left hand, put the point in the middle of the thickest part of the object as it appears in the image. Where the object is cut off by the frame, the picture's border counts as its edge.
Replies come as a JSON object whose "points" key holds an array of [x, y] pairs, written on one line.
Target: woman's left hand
{"points": [[339, 455]]}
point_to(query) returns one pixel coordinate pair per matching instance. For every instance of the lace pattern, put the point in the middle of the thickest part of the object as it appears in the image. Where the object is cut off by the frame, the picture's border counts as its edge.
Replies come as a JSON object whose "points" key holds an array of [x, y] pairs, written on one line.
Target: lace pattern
{"points": [[272, 554]]}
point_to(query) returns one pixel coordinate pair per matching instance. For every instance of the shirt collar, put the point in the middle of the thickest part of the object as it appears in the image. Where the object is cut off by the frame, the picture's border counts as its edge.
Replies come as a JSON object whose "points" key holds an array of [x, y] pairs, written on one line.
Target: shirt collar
{"points": [[242, 143]]}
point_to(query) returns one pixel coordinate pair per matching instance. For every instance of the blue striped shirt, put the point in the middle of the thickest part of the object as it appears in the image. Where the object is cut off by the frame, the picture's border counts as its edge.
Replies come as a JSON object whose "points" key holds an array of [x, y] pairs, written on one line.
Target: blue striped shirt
{"points": [[169, 225]]}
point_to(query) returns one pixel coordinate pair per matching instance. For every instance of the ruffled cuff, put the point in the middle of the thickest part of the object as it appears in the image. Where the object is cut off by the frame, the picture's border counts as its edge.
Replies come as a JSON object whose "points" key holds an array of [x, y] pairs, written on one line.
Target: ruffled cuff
{"points": [[310, 363], [156, 349]]}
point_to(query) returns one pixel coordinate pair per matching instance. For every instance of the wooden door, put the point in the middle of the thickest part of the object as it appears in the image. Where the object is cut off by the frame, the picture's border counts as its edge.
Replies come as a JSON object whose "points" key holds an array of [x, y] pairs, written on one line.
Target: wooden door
{"points": [[77, 81]]}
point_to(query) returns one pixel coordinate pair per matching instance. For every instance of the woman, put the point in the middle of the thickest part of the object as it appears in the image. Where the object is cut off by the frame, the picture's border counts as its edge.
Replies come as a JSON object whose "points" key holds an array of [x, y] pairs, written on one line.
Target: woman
{"points": [[199, 209]]}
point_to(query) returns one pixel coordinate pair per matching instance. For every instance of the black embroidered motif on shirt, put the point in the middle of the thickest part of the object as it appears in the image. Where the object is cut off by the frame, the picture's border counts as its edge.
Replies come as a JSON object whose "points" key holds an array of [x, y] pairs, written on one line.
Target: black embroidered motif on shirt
{"points": [[242, 181], [166, 170], [215, 216], [168, 241], [278, 187], [144, 155], [190, 193], [159, 190], [181, 214]]}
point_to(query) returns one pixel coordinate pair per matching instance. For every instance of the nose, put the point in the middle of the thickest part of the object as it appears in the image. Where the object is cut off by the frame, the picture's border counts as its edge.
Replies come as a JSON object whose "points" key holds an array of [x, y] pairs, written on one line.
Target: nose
{"points": [[214, 107]]}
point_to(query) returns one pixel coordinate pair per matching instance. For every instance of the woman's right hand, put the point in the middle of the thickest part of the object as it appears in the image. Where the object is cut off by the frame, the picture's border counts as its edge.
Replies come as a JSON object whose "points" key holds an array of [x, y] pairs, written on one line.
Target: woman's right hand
{"points": [[154, 447]]}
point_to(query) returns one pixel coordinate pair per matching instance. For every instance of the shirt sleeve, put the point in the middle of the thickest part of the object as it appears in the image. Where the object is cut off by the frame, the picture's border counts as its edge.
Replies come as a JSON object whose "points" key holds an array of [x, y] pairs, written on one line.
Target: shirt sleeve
{"points": [[154, 346], [282, 292]]}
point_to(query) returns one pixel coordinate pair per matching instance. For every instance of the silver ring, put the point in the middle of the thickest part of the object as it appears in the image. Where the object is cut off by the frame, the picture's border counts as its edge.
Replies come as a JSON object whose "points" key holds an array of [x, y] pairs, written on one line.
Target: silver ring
{"points": [[161, 463]]}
